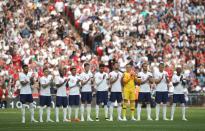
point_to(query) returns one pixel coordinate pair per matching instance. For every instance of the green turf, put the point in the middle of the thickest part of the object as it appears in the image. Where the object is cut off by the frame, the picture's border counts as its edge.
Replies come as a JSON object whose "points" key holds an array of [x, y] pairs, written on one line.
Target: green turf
{"points": [[10, 120]]}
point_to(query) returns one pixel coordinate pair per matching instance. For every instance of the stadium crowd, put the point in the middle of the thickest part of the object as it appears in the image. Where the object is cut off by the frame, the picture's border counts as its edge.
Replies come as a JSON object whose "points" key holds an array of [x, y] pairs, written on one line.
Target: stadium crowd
{"points": [[37, 33]]}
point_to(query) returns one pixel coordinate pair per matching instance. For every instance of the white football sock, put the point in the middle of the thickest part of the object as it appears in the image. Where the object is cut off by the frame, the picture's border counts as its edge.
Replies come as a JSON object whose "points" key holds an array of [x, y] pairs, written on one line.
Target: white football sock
{"points": [[57, 113], [23, 111], [82, 108], [69, 112], [41, 113], [97, 111], [139, 111], [76, 112], [106, 111], [119, 110], [164, 111], [183, 111], [157, 111], [48, 113], [88, 110], [64, 113], [148, 111], [111, 110], [31, 110], [173, 110]]}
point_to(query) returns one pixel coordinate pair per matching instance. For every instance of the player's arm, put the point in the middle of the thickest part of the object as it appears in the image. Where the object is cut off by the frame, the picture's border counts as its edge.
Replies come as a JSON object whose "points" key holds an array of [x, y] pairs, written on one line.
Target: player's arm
{"points": [[85, 82], [22, 80], [76, 84], [157, 81], [126, 78], [24, 83], [61, 84], [98, 82], [44, 85]]}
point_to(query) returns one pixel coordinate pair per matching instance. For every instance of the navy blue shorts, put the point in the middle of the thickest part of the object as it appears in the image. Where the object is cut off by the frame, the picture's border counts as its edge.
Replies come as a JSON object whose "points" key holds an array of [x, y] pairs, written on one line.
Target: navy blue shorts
{"points": [[45, 100], [86, 97], [61, 101], [161, 97], [116, 96], [179, 98], [74, 100], [102, 97], [145, 97], [24, 98]]}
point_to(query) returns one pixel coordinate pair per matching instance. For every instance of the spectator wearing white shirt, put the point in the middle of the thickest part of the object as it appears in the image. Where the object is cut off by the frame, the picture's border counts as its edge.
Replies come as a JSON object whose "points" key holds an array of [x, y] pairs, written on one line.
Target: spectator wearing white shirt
{"points": [[26, 79], [101, 81], [179, 81], [86, 91], [45, 94], [74, 93]]}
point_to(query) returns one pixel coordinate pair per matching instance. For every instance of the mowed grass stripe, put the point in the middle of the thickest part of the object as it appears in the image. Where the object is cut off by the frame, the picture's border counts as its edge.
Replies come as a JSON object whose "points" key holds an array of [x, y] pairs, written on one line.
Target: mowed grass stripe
{"points": [[11, 120]]}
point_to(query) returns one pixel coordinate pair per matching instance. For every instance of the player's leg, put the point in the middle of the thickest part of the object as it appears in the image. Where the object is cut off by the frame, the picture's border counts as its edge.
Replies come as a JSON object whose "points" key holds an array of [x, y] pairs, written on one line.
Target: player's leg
{"points": [[175, 100], [182, 101], [98, 101], [82, 107], [164, 108], [105, 101], [77, 104], [139, 105], [148, 101], [48, 109], [42, 104], [132, 104], [65, 105], [158, 99], [119, 106], [58, 104], [125, 103], [89, 100], [31, 107], [23, 108], [112, 99]]}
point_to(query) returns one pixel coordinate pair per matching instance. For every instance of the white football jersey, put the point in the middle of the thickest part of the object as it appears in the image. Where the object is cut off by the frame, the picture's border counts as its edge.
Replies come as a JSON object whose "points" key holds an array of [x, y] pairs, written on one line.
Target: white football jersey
{"points": [[146, 86], [84, 77], [162, 86], [73, 85], [117, 86], [179, 89], [45, 80], [61, 91], [26, 89], [101, 84]]}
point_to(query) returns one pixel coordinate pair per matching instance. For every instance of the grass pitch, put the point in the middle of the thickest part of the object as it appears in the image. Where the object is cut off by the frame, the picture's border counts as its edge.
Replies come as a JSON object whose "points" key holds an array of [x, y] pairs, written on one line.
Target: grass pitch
{"points": [[10, 120]]}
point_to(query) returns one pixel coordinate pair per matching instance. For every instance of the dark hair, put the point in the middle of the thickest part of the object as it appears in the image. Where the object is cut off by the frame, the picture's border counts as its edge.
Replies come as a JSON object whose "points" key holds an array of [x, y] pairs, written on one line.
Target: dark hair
{"points": [[24, 66], [86, 64], [161, 63], [72, 68], [45, 68], [144, 63], [101, 65]]}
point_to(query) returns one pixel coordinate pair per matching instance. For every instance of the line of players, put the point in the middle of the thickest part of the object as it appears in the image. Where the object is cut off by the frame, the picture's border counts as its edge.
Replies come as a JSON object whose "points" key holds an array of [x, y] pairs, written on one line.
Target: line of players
{"points": [[121, 85]]}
